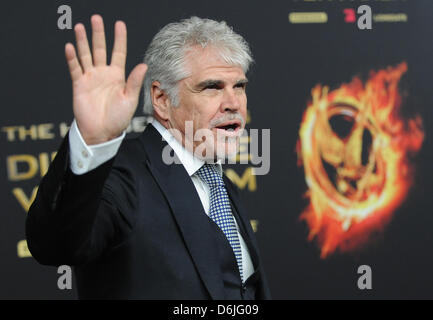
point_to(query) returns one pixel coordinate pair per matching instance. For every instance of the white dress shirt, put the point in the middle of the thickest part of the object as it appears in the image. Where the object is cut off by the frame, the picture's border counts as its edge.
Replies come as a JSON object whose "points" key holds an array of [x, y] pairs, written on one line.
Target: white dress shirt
{"points": [[84, 158]]}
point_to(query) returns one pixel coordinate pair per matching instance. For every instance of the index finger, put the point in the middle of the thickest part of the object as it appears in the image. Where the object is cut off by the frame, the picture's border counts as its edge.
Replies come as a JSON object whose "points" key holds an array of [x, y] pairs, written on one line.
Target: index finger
{"points": [[118, 57]]}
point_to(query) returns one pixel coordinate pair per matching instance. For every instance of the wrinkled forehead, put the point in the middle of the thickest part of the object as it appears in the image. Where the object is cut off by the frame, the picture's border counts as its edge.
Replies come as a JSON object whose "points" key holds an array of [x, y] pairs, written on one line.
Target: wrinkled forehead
{"points": [[208, 63]]}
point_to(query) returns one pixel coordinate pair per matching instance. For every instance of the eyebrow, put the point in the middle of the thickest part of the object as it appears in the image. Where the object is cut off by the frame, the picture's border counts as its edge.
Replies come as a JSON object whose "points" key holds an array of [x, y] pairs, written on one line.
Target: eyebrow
{"points": [[219, 83]]}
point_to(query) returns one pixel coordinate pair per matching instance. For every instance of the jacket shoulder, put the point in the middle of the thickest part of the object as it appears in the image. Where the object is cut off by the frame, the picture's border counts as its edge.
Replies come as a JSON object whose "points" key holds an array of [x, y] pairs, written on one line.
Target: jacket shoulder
{"points": [[131, 152]]}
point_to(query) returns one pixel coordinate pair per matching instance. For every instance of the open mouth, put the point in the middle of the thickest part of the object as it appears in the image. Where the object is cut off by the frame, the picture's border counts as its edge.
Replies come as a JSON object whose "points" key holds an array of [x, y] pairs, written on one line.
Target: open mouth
{"points": [[229, 127]]}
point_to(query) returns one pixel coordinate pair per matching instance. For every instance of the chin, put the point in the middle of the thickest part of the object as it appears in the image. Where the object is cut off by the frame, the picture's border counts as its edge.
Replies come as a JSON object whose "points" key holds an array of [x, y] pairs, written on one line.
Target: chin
{"points": [[218, 151], [227, 150]]}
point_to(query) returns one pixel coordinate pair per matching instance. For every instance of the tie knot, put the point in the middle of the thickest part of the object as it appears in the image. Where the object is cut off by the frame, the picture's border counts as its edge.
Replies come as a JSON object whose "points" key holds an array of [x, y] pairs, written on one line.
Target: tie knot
{"points": [[209, 174]]}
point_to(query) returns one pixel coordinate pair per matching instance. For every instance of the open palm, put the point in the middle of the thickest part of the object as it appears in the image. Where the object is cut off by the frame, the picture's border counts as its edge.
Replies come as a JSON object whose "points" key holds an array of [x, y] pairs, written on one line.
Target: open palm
{"points": [[103, 103]]}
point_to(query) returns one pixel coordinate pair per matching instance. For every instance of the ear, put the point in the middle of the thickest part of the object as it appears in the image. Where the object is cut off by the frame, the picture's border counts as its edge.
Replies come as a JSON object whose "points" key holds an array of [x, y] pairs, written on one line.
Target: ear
{"points": [[160, 100]]}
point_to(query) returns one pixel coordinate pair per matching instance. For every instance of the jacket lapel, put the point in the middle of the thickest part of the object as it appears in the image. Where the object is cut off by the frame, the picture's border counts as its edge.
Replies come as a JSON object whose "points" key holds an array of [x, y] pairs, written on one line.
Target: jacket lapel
{"points": [[187, 210]]}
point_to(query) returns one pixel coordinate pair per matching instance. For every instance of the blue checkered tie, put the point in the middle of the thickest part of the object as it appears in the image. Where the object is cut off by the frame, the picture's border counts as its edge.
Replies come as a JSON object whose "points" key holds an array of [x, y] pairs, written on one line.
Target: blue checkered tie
{"points": [[220, 210]]}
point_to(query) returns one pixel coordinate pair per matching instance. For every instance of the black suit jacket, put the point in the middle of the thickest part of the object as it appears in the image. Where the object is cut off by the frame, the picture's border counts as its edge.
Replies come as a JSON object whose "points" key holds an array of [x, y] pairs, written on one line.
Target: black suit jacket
{"points": [[134, 227]]}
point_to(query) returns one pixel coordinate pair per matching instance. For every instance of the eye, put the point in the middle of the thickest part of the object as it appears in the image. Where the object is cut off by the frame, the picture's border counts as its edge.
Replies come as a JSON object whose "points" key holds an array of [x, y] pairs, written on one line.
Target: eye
{"points": [[212, 86], [240, 86]]}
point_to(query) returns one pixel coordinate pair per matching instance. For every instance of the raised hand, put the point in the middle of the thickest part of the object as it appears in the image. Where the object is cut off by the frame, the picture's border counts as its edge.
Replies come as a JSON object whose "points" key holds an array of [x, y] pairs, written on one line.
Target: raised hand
{"points": [[103, 102]]}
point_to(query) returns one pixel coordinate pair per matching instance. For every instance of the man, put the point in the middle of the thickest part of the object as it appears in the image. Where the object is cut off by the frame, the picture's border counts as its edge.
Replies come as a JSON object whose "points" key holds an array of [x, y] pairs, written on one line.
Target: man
{"points": [[134, 225]]}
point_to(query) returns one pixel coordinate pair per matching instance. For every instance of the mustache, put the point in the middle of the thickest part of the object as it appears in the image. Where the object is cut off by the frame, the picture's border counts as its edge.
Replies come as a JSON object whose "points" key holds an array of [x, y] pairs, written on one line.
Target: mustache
{"points": [[227, 117]]}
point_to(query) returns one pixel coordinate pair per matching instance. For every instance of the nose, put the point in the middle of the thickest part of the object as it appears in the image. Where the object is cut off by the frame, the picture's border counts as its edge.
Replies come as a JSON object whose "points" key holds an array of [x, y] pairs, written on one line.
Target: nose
{"points": [[231, 101]]}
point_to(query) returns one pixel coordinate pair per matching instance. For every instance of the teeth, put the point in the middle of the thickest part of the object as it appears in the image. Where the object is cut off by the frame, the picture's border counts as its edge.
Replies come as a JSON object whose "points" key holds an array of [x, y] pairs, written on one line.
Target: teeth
{"points": [[229, 128]]}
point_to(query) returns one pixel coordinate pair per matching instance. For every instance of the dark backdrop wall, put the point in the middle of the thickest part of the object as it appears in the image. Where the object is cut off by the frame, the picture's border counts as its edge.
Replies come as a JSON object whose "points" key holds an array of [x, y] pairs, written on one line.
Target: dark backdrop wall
{"points": [[290, 60]]}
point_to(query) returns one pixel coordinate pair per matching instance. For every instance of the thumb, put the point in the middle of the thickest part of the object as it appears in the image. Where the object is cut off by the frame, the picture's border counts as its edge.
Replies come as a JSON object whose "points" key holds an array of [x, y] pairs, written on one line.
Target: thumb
{"points": [[135, 81]]}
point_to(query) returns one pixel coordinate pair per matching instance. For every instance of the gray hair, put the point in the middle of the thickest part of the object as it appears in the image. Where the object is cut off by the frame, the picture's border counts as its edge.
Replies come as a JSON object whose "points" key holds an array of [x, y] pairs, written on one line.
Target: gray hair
{"points": [[166, 53]]}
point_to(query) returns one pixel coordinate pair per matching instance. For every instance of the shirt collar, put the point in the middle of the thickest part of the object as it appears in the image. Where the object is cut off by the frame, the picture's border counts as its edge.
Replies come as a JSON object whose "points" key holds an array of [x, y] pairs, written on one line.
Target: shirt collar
{"points": [[191, 163]]}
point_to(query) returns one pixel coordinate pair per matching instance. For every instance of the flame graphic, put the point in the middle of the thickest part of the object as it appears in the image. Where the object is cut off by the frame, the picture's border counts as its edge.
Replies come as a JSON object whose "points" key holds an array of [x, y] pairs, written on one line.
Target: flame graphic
{"points": [[354, 147]]}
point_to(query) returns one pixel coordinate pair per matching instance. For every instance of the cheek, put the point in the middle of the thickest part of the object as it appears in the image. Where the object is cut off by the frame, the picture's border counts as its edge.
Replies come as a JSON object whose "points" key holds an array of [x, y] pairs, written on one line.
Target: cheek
{"points": [[243, 109], [208, 111], [180, 118]]}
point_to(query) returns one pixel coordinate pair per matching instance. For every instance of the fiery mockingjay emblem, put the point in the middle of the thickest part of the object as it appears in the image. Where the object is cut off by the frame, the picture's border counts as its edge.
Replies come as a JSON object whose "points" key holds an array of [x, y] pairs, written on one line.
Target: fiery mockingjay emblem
{"points": [[354, 147]]}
